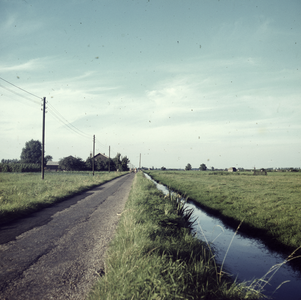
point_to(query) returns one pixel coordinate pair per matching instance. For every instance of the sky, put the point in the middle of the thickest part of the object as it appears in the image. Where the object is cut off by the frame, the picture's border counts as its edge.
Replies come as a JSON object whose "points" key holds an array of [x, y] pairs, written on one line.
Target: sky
{"points": [[177, 81]]}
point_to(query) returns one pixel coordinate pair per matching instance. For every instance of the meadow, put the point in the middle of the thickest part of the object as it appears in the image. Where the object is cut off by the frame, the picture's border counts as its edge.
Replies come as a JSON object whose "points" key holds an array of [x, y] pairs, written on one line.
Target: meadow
{"points": [[269, 206], [154, 255], [24, 193]]}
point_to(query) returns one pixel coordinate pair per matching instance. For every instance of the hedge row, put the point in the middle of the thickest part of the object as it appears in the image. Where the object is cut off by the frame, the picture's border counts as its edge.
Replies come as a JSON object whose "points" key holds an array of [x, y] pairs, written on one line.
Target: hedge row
{"points": [[19, 168]]}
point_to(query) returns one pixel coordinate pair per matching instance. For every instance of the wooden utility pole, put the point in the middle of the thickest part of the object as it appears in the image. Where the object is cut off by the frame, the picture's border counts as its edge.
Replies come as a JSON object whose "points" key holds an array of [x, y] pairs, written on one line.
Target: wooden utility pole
{"points": [[93, 154], [109, 159], [43, 140], [140, 162]]}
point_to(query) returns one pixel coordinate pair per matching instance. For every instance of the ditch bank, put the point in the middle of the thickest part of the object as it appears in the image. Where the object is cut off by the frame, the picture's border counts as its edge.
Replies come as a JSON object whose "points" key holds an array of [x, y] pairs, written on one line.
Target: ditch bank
{"points": [[246, 258], [154, 256]]}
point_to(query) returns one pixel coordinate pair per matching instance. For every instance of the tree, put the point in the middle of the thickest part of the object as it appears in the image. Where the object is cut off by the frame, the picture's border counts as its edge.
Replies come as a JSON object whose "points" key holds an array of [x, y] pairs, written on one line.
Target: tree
{"points": [[32, 153], [99, 165], [188, 167], [116, 163], [71, 163], [121, 164], [203, 167], [124, 163], [9, 161], [163, 168], [47, 158]]}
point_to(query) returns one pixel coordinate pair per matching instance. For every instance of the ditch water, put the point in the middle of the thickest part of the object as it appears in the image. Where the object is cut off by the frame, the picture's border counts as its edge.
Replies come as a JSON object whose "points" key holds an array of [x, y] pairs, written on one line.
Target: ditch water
{"points": [[247, 258]]}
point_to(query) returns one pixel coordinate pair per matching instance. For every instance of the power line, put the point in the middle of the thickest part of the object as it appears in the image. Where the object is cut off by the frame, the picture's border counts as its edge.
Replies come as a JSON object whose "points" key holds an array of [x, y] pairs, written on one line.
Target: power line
{"points": [[34, 101], [65, 122], [106, 147], [100, 143], [21, 88], [52, 110]]}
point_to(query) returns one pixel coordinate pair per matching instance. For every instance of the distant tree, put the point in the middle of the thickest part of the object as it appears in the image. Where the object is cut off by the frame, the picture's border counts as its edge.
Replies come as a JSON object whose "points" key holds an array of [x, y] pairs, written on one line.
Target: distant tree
{"points": [[71, 163], [117, 163], [188, 167], [163, 168], [88, 163], [121, 164], [124, 163], [99, 165], [203, 167], [32, 153], [112, 165], [47, 158], [9, 161]]}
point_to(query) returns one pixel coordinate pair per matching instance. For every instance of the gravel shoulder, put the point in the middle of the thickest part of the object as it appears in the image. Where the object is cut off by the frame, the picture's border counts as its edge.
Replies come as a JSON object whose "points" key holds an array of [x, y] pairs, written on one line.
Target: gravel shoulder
{"points": [[58, 253]]}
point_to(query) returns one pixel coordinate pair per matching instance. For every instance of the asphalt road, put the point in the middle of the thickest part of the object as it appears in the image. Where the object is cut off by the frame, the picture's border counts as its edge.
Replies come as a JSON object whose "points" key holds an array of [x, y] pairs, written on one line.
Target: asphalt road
{"points": [[58, 253]]}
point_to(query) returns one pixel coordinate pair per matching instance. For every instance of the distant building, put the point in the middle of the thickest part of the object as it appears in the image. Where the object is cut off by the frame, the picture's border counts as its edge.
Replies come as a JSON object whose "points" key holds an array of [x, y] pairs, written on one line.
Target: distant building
{"points": [[232, 169], [101, 157], [52, 166]]}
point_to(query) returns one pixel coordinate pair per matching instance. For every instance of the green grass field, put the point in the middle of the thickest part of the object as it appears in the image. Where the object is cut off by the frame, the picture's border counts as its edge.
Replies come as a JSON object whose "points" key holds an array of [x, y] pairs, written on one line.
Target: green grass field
{"points": [[271, 204], [24, 193], [154, 256]]}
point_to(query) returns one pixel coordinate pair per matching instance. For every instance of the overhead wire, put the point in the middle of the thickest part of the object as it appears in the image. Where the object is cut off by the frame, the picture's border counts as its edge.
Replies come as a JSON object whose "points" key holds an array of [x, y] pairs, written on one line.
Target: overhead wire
{"points": [[53, 111], [100, 143], [65, 122], [105, 146], [24, 97], [20, 88]]}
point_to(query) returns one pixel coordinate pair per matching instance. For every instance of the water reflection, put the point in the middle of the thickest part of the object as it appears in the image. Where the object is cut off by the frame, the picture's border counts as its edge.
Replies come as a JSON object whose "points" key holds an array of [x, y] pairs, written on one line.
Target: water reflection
{"points": [[247, 258]]}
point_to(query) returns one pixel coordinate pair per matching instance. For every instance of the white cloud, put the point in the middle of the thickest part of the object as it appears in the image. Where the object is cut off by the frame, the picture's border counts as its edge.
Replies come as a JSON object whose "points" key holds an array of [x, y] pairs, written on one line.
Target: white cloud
{"points": [[31, 65]]}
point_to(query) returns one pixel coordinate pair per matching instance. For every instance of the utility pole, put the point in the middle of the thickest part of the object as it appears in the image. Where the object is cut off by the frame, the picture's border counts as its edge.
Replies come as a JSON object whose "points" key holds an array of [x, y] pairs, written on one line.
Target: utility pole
{"points": [[109, 159], [43, 139], [140, 162], [93, 154]]}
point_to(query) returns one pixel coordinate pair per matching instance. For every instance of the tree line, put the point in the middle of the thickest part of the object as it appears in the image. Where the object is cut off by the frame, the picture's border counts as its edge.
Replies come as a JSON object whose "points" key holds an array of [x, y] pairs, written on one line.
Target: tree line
{"points": [[31, 157], [202, 167], [71, 163]]}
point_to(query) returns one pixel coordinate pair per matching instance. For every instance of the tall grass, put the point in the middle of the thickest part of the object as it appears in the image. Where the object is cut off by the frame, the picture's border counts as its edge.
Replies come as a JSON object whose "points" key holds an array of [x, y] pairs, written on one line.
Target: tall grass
{"points": [[23, 193], [154, 256], [269, 205]]}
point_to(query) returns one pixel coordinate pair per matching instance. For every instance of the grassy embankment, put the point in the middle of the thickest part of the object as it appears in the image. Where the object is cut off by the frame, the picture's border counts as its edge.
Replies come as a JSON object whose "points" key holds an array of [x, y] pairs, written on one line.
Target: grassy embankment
{"points": [[269, 206], [154, 256], [24, 193]]}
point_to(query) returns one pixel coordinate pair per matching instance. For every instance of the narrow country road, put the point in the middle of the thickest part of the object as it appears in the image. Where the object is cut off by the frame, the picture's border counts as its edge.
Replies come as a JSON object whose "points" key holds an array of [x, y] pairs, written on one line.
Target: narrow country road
{"points": [[58, 253]]}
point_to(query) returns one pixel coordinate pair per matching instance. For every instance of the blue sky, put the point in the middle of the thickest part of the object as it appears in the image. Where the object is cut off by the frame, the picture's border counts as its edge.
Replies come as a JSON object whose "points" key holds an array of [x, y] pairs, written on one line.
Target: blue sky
{"points": [[214, 82]]}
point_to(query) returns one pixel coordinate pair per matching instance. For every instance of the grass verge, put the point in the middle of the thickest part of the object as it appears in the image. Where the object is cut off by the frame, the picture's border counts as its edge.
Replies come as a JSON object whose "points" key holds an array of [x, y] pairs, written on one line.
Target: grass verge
{"points": [[154, 256], [24, 193], [268, 205]]}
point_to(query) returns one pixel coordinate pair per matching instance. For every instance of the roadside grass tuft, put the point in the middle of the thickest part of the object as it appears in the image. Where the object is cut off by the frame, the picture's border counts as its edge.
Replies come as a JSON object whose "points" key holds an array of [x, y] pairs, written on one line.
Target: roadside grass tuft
{"points": [[154, 255]]}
